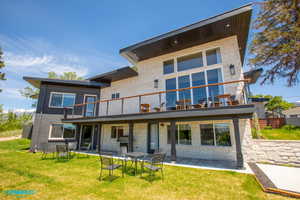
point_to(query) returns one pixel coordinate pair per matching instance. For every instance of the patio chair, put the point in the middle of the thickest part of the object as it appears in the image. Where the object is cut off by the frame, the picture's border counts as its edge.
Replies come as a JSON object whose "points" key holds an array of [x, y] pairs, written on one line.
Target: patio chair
{"points": [[155, 164], [145, 107], [72, 147], [46, 149], [62, 151], [107, 163]]}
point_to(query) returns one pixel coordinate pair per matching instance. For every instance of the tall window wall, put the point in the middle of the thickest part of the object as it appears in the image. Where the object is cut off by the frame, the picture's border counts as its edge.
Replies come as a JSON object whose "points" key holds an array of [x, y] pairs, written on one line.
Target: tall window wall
{"points": [[209, 72]]}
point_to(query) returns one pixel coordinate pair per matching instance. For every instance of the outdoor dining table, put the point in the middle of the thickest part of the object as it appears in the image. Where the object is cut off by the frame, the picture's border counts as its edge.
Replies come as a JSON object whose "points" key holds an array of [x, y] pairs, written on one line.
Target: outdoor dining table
{"points": [[135, 156]]}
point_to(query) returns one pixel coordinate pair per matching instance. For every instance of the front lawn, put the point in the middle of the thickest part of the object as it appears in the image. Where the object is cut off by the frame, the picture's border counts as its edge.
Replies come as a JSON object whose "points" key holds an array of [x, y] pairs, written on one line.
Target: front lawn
{"points": [[78, 179], [281, 133]]}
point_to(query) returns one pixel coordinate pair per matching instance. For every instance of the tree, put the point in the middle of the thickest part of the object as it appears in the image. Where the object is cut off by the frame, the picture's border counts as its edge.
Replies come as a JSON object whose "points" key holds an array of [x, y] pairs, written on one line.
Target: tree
{"points": [[65, 76], [276, 44], [2, 75], [33, 93], [277, 104]]}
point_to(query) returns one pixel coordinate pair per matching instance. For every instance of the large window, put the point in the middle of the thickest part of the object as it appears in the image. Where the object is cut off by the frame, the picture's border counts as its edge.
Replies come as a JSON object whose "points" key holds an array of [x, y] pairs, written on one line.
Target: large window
{"points": [[171, 96], [189, 62], [90, 106], [117, 132], [199, 94], [183, 134], [184, 82], [62, 100], [169, 67], [62, 131], [213, 56], [215, 134], [214, 76]]}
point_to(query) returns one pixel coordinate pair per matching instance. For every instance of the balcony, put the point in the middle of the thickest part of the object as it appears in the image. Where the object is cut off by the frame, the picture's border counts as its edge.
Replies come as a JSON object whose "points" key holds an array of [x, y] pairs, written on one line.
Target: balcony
{"points": [[211, 99]]}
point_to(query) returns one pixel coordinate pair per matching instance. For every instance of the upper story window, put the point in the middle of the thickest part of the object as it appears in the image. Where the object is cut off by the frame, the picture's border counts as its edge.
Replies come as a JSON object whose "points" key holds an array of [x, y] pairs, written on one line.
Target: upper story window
{"points": [[168, 66], [213, 56], [189, 62], [62, 131], [90, 105], [62, 100], [115, 96]]}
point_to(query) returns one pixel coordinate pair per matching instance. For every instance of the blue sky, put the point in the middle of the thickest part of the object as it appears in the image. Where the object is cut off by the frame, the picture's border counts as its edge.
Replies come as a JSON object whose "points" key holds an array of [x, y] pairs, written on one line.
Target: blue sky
{"points": [[85, 37]]}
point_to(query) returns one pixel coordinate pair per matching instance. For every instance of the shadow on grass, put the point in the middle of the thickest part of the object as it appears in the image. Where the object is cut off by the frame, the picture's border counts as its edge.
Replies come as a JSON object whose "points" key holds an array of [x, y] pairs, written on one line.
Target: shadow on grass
{"points": [[109, 178]]}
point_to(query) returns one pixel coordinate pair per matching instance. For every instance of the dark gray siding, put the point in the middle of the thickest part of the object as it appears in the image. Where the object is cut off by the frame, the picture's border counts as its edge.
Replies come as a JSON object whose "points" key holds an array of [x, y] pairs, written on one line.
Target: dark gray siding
{"points": [[46, 89]]}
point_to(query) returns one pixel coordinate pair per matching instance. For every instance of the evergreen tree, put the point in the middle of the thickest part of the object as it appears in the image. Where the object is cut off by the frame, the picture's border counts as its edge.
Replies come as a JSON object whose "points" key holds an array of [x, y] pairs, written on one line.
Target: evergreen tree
{"points": [[276, 45]]}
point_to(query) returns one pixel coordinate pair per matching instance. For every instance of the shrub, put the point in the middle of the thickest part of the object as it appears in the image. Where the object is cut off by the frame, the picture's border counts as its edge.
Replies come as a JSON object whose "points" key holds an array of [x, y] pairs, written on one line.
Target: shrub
{"points": [[289, 127], [268, 127]]}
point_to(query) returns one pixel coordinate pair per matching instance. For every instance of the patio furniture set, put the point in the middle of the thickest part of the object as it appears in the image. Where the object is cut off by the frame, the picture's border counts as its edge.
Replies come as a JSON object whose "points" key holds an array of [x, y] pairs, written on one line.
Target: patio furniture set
{"points": [[150, 162], [185, 104], [58, 150]]}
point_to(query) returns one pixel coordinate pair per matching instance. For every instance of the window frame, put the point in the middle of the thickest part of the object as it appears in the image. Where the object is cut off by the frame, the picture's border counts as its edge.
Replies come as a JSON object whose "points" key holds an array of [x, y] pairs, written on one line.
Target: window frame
{"points": [[178, 134], [210, 49], [95, 105], [193, 55], [116, 129], [174, 68], [114, 95], [60, 138], [62, 102], [214, 132]]}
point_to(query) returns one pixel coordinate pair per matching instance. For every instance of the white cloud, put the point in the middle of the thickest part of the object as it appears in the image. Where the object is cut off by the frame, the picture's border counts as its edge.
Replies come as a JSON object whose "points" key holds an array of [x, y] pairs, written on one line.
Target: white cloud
{"points": [[40, 65]]}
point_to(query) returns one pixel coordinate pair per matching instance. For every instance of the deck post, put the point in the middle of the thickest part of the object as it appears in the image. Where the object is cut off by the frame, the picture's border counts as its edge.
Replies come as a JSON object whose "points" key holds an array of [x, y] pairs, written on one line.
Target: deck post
{"points": [[173, 140], [130, 137], [237, 135], [107, 104], [99, 138], [122, 106], [140, 102]]}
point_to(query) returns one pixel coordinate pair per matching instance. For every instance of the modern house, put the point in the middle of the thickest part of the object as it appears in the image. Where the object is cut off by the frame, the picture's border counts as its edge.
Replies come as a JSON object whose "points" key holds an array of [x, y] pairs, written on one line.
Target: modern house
{"points": [[186, 95]]}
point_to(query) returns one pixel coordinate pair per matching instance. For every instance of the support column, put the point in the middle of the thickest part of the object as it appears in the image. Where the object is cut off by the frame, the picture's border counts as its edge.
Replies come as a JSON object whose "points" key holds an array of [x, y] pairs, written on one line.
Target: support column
{"points": [[99, 137], [237, 135], [130, 137], [173, 140]]}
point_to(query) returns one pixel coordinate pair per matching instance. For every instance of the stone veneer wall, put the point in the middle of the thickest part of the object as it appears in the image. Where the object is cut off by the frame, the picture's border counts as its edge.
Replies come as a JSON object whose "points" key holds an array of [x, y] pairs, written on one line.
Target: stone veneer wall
{"points": [[271, 151]]}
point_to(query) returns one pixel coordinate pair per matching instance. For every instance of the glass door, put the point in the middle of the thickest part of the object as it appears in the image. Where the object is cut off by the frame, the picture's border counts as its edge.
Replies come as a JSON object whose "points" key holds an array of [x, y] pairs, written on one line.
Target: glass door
{"points": [[89, 110], [153, 140], [86, 137]]}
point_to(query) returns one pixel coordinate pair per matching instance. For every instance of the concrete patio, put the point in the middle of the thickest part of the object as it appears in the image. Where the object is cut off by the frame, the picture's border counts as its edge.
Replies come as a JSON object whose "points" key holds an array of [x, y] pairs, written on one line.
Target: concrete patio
{"points": [[188, 162]]}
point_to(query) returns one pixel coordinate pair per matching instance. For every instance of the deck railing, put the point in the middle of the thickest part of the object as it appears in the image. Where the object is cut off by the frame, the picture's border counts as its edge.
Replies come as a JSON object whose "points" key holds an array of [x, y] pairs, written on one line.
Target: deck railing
{"points": [[231, 95]]}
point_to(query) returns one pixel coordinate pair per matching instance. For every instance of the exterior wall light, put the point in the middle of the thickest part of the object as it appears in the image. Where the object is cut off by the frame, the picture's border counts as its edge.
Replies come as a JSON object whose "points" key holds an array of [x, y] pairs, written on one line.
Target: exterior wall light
{"points": [[156, 83], [232, 69]]}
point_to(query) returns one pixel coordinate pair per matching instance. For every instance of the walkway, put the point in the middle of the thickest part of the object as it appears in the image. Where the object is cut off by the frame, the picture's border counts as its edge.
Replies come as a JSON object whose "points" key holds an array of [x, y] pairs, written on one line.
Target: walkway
{"points": [[10, 138], [191, 163], [278, 179]]}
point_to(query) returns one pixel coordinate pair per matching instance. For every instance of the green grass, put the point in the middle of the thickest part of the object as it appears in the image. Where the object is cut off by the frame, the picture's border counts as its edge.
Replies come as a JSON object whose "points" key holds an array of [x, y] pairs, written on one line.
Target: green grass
{"points": [[10, 133], [281, 134], [78, 179]]}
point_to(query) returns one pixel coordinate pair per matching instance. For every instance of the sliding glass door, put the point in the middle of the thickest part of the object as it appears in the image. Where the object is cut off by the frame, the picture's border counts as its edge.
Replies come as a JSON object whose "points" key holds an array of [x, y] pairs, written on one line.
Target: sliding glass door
{"points": [[214, 76], [196, 95]]}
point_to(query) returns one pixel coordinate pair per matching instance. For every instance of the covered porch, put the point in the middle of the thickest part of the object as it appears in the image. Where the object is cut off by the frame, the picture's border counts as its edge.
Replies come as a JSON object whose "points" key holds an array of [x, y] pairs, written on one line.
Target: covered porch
{"points": [[153, 132]]}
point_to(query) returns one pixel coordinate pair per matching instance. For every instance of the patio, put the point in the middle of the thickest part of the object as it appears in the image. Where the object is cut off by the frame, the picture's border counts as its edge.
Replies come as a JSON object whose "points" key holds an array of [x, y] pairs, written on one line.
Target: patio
{"points": [[185, 162]]}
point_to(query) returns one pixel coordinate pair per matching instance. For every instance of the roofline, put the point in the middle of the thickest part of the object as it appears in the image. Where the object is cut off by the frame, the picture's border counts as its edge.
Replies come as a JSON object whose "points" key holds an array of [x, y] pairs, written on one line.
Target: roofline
{"points": [[86, 83], [107, 73], [209, 20]]}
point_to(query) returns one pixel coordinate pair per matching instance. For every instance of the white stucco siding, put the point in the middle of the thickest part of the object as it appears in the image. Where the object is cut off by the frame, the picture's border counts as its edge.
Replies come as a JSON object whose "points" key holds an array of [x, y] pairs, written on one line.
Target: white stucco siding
{"points": [[196, 150], [151, 69]]}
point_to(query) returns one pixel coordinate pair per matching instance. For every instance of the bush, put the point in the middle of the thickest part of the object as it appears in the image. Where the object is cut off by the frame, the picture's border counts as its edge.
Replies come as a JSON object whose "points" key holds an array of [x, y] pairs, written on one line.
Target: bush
{"points": [[289, 127], [12, 121], [268, 127]]}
